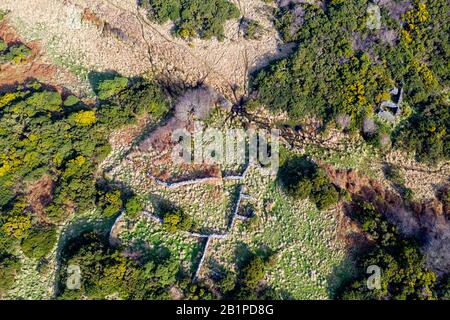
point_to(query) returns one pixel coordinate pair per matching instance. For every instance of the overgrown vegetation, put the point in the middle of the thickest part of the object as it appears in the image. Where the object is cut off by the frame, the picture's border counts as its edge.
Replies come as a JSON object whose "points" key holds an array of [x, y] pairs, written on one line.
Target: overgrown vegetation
{"points": [[342, 71], [9, 267], [403, 272], [247, 285], [16, 52], [51, 146], [252, 29], [175, 220], [193, 18], [303, 179], [108, 273], [426, 133], [39, 242]]}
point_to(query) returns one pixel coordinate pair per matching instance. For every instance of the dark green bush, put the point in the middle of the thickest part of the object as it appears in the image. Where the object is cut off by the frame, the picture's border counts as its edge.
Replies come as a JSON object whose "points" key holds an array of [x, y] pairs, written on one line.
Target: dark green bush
{"points": [[404, 274], [110, 88], [192, 18], [253, 272], [9, 267], [303, 179], [105, 272], [133, 206], [427, 133], [42, 135], [252, 29], [39, 242]]}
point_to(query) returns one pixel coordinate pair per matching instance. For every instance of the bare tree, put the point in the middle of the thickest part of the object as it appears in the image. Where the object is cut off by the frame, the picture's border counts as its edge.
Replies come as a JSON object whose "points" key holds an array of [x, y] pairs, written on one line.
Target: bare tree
{"points": [[343, 120], [369, 126], [196, 104]]}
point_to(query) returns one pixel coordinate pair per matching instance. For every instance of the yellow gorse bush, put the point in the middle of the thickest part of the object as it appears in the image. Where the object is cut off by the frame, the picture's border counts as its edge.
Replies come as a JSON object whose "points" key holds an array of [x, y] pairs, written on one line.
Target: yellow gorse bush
{"points": [[413, 19], [17, 226], [85, 118]]}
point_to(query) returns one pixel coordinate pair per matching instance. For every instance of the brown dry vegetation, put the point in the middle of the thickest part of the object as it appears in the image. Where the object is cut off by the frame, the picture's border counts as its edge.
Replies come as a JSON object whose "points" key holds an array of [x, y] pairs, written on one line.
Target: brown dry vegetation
{"points": [[194, 105], [427, 220], [37, 66], [39, 195], [11, 74]]}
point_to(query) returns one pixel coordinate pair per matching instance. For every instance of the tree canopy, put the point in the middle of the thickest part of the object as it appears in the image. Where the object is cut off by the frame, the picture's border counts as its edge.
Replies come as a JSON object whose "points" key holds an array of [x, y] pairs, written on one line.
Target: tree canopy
{"points": [[193, 18]]}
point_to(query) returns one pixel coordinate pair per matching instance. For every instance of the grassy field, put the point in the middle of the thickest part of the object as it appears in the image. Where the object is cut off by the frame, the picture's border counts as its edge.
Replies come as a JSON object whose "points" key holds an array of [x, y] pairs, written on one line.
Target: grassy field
{"points": [[303, 239], [147, 236]]}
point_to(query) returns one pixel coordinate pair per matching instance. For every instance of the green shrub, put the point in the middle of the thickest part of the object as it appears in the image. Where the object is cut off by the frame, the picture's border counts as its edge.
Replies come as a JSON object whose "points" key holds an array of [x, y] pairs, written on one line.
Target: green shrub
{"points": [[18, 53], [197, 292], [427, 133], [176, 220], [107, 272], [303, 179], [162, 10], [404, 276], [109, 88], [6, 195], [71, 101], [133, 206], [325, 196], [45, 100], [252, 29], [110, 202], [253, 272], [374, 224], [227, 283], [39, 243], [404, 273], [9, 267], [139, 97]]}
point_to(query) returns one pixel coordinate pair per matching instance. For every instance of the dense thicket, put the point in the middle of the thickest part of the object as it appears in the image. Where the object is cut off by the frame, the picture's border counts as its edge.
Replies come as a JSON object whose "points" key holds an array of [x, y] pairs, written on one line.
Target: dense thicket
{"points": [[403, 272], [193, 18], [51, 146], [342, 70], [152, 274], [9, 267], [427, 133], [248, 284], [303, 179], [107, 273]]}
